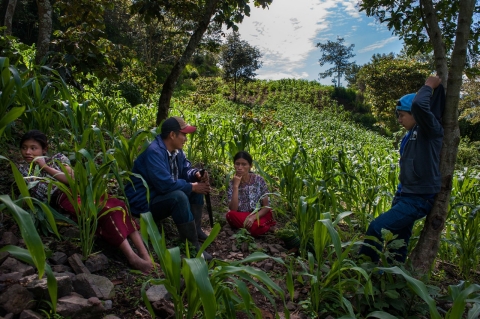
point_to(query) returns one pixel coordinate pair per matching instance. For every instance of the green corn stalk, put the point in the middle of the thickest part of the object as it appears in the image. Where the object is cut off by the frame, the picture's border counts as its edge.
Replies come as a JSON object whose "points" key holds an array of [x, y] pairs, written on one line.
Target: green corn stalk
{"points": [[467, 237], [218, 288], [328, 267], [87, 192], [461, 294], [126, 150], [10, 87], [416, 286]]}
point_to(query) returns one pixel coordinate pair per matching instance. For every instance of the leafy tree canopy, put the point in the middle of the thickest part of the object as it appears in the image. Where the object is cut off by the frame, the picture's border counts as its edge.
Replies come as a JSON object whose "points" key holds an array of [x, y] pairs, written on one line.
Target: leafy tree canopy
{"points": [[387, 78], [338, 54], [239, 60], [407, 20]]}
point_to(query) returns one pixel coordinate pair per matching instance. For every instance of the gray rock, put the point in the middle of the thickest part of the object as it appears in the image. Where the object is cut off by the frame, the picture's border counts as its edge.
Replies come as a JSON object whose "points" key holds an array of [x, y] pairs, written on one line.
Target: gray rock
{"points": [[12, 265], [268, 266], [3, 255], [77, 265], [58, 258], [39, 288], [11, 277], [273, 250], [157, 293], [21, 243], [291, 306], [296, 295], [108, 304], [29, 314], [61, 268], [16, 299], [77, 307], [9, 238], [97, 262], [89, 285]]}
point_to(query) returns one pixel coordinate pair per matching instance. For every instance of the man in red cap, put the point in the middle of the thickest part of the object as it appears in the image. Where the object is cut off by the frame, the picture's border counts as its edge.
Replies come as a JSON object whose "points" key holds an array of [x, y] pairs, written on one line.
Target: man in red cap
{"points": [[176, 189]]}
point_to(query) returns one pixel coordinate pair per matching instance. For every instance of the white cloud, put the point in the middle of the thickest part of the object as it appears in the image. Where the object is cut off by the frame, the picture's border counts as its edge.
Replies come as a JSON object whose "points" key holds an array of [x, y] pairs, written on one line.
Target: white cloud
{"points": [[286, 33], [351, 8], [377, 45]]}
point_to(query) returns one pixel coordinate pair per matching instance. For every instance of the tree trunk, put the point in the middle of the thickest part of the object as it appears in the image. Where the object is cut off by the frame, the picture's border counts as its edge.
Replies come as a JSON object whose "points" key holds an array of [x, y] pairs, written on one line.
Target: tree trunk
{"points": [[171, 81], [44, 29], [427, 247], [9, 16]]}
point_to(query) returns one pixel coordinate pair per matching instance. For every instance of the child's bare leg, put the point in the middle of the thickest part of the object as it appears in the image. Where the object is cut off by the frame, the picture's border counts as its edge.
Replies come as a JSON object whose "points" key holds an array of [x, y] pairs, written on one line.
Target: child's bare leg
{"points": [[134, 260], [138, 242]]}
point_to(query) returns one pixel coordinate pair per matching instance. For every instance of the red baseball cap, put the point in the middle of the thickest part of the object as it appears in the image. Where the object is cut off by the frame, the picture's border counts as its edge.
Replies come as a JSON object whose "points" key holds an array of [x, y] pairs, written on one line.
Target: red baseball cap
{"points": [[175, 123]]}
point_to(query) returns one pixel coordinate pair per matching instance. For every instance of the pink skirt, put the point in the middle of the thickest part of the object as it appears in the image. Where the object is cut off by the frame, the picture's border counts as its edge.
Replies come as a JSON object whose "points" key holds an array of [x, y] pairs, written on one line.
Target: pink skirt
{"points": [[237, 219]]}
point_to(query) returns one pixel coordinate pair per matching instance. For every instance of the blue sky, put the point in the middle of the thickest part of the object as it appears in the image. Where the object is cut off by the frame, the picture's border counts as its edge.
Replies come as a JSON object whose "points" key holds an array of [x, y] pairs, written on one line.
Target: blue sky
{"points": [[287, 34]]}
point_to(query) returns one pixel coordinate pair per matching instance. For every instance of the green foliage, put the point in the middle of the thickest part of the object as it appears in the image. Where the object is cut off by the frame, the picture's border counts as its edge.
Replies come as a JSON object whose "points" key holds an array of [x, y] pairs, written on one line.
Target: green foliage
{"points": [[87, 193], [218, 288], [81, 47], [239, 60], [384, 80], [469, 107], [468, 153], [18, 53], [35, 253], [11, 87], [314, 158], [243, 236], [338, 54], [406, 19]]}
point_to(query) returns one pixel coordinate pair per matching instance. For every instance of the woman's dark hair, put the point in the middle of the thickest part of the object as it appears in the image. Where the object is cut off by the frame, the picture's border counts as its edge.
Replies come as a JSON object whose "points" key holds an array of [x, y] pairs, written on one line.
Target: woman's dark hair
{"points": [[35, 135], [244, 155]]}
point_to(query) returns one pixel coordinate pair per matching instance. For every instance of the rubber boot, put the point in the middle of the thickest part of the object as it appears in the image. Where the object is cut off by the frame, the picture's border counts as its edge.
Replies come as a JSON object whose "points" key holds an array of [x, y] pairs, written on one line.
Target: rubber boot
{"points": [[188, 231], [197, 211]]}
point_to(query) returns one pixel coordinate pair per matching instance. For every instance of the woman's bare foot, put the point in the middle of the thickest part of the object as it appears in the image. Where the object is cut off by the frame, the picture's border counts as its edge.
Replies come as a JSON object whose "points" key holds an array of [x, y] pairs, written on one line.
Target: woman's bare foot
{"points": [[143, 264], [140, 264]]}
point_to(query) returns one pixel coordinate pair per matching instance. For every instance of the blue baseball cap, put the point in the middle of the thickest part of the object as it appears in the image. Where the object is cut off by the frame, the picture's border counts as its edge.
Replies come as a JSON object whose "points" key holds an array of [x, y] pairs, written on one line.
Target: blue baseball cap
{"points": [[405, 102]]}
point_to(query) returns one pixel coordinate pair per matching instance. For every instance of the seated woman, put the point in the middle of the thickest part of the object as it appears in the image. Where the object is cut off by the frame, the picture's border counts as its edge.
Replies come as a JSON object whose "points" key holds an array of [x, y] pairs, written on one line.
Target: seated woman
{"points": [[114, 226], [245, 190]]}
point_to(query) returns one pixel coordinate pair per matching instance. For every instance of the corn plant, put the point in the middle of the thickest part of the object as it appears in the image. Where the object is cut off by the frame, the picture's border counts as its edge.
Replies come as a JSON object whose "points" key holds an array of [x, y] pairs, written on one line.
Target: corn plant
{"points": [[125, 150], [109, 111], [10, 86], [35, 252], [218, 288], [467, 237], [417, 286], [330, 271], [459, 295], [87, 192]]}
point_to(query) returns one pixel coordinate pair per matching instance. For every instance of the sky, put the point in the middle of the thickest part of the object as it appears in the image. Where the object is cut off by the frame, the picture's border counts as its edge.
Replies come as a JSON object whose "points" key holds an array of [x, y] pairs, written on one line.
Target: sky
{"points": [[287, 33]]}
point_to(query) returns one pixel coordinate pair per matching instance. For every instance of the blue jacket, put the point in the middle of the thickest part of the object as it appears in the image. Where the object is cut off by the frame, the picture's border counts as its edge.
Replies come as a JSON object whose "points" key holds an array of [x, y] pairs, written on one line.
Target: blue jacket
{"points": [[420, 161], [154, 167]]}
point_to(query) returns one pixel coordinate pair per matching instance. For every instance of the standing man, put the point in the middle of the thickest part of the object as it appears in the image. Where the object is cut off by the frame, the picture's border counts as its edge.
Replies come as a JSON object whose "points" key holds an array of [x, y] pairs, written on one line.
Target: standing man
{"points": [[176, 189], [420, 178]]}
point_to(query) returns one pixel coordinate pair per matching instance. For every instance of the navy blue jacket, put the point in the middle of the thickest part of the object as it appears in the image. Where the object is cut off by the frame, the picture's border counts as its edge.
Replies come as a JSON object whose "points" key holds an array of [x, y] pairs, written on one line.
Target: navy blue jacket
{"points": [[420, 161], [154, 167]]}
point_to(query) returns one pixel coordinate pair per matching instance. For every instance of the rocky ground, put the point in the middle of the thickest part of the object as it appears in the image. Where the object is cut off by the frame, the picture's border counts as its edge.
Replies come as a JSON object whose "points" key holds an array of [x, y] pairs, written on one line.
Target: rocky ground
{"points": [[104, 285]]}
